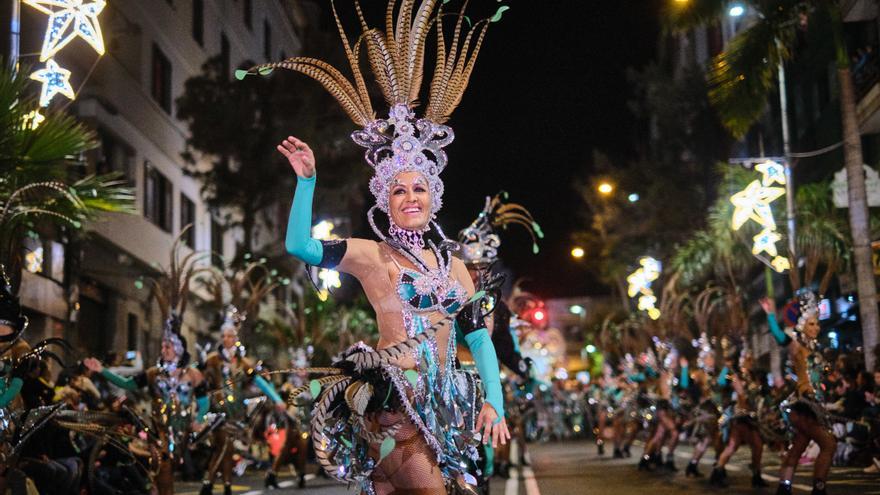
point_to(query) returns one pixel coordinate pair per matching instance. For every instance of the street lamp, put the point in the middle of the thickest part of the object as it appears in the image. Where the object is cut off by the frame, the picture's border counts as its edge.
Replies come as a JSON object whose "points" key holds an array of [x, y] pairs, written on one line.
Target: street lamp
{"points": [[736, 10], [577, 253], [576, 309], [633, 197], [605, 188]]}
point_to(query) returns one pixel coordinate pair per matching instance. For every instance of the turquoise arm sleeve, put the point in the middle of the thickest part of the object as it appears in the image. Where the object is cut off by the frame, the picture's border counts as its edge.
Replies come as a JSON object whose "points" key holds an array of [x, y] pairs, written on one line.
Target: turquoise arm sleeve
{"points": [[11, 391], [267, 389], [777, 332], [638, 377], [480, 344], [120, 381], [298, 241], [722, 378], [685, 379], [203, 404]]}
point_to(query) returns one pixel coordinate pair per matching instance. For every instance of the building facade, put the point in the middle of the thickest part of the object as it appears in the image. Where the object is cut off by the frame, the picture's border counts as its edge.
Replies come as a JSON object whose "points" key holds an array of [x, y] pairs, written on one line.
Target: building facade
{"points": [[128, 96]]}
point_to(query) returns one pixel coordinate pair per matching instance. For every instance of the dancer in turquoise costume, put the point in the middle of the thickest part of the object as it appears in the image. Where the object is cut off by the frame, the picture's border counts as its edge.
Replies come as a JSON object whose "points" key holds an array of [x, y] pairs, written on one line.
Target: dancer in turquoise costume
{"points": [[401, 418], [804, 410]]}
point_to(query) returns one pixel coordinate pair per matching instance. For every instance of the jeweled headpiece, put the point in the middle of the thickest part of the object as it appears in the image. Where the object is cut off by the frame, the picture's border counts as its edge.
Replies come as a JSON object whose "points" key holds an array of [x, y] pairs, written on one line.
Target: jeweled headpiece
{"points": [[808, 306], [402, 142], [232, 320], [480, 240], [171, 334]]}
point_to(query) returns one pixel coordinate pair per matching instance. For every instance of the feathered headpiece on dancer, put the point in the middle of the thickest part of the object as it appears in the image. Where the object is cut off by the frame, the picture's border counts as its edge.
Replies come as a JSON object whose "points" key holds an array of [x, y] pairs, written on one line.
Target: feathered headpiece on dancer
{"points": [[480, 240], [403, 142], [170, 289], [238, 293]]}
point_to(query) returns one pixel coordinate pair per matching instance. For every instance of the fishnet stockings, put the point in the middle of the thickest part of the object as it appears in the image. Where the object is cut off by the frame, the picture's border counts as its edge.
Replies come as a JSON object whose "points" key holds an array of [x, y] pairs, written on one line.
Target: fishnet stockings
{"points": [[411, 468]]}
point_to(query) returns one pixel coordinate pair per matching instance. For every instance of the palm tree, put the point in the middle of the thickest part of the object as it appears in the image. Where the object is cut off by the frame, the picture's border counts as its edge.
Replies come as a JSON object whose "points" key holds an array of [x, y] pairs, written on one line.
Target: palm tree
{"points": [[743, 76], [43, 184]]}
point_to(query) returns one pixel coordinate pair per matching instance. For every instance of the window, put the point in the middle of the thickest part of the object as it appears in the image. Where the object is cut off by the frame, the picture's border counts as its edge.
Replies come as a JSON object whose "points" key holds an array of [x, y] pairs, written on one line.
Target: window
{"points": [[132, 330], [248, 13], [216, 243], [157, 198], [267, 39], [188, 217], [225, 56], [114, 156], [198, 21], [160, 85]]}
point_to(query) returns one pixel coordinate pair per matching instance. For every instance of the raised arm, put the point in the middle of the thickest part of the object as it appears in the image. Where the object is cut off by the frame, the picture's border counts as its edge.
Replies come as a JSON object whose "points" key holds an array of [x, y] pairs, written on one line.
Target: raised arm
{"points": [[344, 255], [769, 307]]}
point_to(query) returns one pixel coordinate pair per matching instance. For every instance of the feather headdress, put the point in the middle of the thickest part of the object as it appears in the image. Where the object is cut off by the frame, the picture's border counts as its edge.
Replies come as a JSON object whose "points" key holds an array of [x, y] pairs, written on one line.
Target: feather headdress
{"points": [[402, 142], [171, 290], [238, 293], [480, 240]]}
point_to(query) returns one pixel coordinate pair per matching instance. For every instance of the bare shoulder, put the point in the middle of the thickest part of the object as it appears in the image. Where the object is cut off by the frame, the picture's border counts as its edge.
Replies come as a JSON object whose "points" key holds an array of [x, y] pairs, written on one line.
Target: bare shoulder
{"points": [[360, 255]]}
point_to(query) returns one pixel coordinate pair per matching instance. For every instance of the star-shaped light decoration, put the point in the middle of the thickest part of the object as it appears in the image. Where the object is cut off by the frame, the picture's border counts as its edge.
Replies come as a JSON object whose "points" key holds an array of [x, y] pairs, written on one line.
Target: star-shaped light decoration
{"points": [[780, 264], [69, 19], [753, 202], [772, 172], [55, 80], [765, 242]]}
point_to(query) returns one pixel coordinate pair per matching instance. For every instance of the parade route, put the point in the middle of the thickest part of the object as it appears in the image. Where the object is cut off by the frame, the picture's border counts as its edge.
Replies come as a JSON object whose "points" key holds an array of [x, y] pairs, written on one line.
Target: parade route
{"points": [[561, 468]]}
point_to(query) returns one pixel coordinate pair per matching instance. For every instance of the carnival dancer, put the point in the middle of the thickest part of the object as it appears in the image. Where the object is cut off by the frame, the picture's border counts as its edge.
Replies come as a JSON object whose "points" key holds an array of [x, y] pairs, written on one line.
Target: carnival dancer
{"points": [[666, 427], [480, 242], [227, 374], [804, 410], [708, 382], [741, 420], [426, 436], [178, 391]]}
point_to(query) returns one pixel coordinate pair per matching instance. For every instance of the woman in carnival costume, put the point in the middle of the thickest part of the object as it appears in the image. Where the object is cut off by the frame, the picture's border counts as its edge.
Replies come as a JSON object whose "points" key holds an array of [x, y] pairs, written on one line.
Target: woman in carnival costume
{"points": [[228, 372], [804, 410], [178, 391], [739, 423], [709, 383], [480, 242], [401, 418]]}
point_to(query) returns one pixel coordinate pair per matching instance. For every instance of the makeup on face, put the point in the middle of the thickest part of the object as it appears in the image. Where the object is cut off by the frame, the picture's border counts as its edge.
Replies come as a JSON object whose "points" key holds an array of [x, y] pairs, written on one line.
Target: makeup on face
{"points": [[410, 201]]}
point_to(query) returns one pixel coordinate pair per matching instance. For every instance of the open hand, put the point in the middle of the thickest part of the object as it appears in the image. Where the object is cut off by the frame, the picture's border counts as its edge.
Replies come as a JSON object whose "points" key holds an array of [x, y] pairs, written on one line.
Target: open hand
{"points": [[486, 425], [93, 364], [769, 305], [300, 156]]}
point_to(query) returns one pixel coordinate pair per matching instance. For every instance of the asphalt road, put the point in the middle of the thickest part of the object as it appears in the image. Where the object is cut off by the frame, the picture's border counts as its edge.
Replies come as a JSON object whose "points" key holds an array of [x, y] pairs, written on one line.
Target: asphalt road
{"points": [[575, 468]]}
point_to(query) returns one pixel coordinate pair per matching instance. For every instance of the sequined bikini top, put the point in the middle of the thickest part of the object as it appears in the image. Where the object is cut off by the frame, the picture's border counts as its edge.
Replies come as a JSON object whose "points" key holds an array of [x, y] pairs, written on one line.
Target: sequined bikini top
{"points": [[425, 293], [170, 387]]}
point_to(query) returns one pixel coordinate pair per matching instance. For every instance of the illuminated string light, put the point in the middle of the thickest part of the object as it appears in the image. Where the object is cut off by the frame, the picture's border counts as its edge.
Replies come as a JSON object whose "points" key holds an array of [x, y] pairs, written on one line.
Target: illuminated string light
{"points": [[69, 19], [56, 80], [32, 120]]}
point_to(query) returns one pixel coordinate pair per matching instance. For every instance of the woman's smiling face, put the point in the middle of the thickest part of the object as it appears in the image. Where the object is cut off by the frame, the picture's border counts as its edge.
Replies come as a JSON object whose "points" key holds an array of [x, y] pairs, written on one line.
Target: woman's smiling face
{"points": [[409, 203]]}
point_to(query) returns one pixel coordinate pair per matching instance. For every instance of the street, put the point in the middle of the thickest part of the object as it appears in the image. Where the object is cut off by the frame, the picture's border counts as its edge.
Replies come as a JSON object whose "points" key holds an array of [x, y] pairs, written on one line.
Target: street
{"points": [[575, 468]]}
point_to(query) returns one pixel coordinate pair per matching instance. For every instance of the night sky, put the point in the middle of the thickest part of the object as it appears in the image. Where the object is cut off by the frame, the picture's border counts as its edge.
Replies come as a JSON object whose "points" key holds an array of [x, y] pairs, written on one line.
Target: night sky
{"points": [[549, 86]]}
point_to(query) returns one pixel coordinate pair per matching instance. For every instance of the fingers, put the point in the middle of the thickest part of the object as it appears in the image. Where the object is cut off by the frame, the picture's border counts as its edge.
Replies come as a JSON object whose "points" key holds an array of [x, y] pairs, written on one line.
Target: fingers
{"points": [[487, 432], [496, 435]]}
